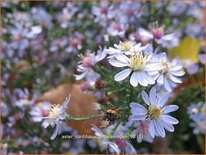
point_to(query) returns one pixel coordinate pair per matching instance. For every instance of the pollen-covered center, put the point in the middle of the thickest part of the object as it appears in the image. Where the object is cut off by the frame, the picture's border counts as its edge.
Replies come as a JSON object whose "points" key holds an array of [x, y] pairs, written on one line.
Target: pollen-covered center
{"points": [[126, 45], [54, 111], [154, 112], [166, 67], [137, 62]]}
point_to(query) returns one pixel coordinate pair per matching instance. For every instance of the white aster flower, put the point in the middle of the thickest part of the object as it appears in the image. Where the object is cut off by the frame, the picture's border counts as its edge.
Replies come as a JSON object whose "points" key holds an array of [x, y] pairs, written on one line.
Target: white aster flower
{"points": [[57, 113], [156, 113], [170, 73], [126, 47], [140, 66]]}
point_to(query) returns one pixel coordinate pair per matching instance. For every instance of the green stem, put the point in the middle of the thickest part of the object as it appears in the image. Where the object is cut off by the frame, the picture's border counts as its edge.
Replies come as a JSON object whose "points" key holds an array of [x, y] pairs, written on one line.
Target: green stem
{"points": [[72, 118]]}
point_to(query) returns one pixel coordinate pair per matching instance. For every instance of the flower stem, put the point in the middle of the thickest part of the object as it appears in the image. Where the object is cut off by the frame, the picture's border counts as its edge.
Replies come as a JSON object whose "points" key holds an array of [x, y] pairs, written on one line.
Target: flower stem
{"points": [[72, 118]]}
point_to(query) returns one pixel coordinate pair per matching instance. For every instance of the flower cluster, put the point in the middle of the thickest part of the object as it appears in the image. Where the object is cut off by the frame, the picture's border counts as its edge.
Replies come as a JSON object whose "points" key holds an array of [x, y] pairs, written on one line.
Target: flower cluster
{"points": [[136, 62]]}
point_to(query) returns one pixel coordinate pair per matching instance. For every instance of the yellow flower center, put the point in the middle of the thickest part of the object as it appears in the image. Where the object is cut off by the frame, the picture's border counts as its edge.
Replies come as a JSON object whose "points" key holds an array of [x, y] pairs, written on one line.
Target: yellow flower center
{"points": [[24, 101], [166, 67], [54, 111], [154, 112], [126, 45], [137, 62]]}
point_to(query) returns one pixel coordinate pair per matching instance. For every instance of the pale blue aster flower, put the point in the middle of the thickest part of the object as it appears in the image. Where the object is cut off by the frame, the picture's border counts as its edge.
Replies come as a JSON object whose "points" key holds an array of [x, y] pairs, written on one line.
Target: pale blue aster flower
{"points": [[197, 115], [169, 75], [157, 113]]}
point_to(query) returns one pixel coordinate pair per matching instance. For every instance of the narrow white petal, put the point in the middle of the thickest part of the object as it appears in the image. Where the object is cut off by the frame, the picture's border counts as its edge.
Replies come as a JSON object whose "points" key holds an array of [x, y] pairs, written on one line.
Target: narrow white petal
{"points": [[134, 105], [169, 127], [134, 80], [175, 79], [117, 63], [178, 73], [152, 129], [169, 119], [122, 58], [152, 95], [56, 132], [122, 75], [145, 98], [170, 108], [142, 80], [167, 85], [145, 34], [159, 128], [160, 79], [163, 99]]}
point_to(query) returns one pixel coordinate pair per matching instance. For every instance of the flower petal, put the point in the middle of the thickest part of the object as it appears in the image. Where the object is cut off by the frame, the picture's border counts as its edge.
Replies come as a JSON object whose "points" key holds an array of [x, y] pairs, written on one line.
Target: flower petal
{"points": [[160, 79], [175, 79], [170, 108], [117, 63], [169, 119], [169, 127], [163, 99], [122, 58], [152, 129], [142, 81], [145, 98], [152, 95], [133, 79], [122, 75], [167, 85], [159, 128], [134, 105]]}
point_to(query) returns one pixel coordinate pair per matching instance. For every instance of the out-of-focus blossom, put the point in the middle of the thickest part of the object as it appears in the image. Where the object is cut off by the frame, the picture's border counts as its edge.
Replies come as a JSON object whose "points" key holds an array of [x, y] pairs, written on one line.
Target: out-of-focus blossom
{"points": [[104, 143], [85, 66], [141, 131], [202, 58], [41, 16], [157, 33], [40, 111], [64, 18], [103, 12], [117, 29], [57, 113], [156, 114], [197, 115]]}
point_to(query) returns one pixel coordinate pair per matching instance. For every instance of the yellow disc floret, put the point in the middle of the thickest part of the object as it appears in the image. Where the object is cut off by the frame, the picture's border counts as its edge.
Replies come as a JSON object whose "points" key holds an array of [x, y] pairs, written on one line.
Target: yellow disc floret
{"points": [[138, 62], [154, 112]]}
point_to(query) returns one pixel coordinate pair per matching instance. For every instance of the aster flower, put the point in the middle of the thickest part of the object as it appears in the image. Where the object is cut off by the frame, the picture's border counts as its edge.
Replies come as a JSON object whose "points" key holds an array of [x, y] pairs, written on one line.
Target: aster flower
{"points": [[116, 29], [57, 113], [157, 33], [103, 12], [197, 115], [104, 143], [126, 47], [85, 66], [139, 66], [157, 114], [170, 73]]}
